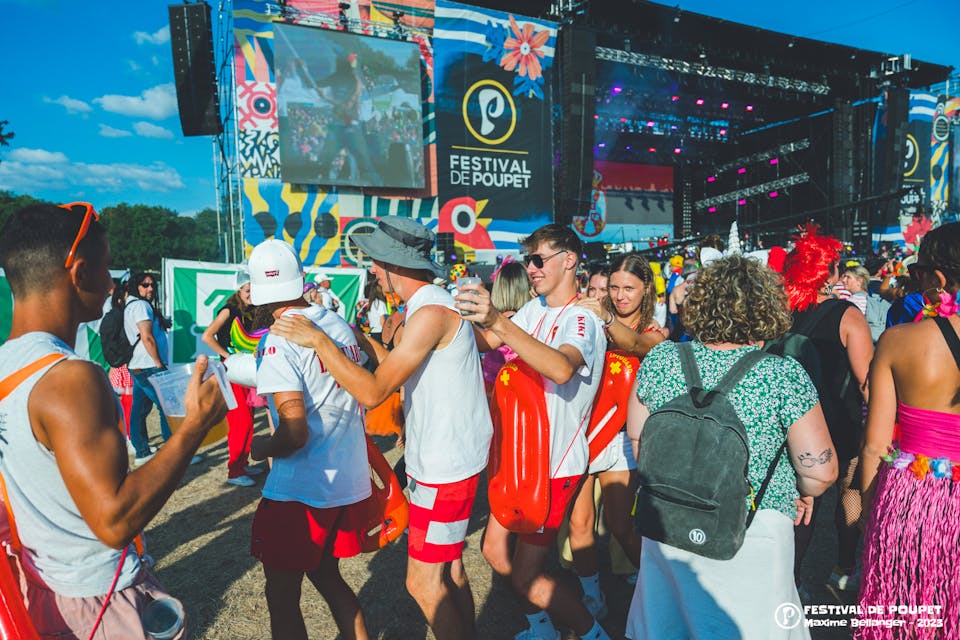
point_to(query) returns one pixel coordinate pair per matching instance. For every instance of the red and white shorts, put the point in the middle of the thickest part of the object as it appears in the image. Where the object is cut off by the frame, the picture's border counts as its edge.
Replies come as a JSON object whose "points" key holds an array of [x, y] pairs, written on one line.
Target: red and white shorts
{"points": [[439, 515], [562, 493], [292, 536]]}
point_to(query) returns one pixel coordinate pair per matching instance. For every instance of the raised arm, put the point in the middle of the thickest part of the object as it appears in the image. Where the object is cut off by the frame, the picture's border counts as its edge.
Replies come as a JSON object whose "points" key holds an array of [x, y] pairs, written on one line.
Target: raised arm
{"points": [[557, 365], [90, 452], [619, 335], [423, 332]]}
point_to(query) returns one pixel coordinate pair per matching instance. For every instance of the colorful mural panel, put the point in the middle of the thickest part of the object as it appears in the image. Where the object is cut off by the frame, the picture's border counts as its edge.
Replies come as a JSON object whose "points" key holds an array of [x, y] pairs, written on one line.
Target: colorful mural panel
{"points": [[309, 217]]}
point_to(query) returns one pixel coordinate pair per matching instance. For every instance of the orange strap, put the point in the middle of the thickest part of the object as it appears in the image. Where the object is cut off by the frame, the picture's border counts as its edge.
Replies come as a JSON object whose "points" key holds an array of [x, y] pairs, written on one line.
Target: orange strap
{"points": [[7, 385]]}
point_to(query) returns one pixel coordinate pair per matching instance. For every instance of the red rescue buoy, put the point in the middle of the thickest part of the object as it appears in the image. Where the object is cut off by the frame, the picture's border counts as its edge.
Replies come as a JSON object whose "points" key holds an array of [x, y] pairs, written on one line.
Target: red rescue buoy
{"points": [[609, 412], [519, 468], [386, 419], [388, 512], [15, 623]]}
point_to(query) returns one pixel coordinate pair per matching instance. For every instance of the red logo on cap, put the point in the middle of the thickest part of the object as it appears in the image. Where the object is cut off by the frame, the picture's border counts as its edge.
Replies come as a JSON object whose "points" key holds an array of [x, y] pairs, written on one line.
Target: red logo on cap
{"points": [[271, 274]]}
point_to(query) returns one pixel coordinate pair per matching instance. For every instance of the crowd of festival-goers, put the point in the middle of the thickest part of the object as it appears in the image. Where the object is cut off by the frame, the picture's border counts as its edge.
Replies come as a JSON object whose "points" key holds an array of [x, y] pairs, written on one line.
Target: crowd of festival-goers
{"points": [[756, 382]]}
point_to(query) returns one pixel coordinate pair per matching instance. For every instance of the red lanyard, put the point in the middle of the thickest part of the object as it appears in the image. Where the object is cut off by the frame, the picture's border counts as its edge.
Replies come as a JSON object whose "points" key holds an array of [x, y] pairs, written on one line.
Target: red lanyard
{"points": [[536, 331]]}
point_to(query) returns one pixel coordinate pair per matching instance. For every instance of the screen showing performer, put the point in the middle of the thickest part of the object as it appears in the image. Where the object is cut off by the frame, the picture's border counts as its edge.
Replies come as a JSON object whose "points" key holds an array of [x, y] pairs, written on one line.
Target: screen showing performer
{"points": [[350, 109]]}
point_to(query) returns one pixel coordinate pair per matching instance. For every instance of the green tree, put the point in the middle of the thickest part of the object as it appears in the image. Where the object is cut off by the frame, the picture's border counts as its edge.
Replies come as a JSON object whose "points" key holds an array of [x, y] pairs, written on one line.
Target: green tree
{"points": [[10, 202], [5, 136], [142, 235]]}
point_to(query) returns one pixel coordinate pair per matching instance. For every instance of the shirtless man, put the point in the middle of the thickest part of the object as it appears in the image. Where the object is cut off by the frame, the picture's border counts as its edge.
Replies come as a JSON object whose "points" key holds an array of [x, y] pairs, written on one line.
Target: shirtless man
{"points": [[447, 421]]}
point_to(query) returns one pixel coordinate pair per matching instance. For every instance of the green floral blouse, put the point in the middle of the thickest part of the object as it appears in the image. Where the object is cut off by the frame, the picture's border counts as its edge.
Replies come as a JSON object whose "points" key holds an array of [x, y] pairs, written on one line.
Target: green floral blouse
{"points": [[771, 397]]}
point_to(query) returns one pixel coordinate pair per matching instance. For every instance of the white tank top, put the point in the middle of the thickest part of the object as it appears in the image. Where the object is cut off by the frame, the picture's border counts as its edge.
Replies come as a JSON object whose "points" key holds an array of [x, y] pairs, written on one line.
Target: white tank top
{"points": [[448, 427], [58, 546]]}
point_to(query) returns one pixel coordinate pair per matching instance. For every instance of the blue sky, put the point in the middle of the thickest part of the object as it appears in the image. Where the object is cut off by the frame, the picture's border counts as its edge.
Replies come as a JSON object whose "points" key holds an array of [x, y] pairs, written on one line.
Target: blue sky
{"points": [[91, 99]]}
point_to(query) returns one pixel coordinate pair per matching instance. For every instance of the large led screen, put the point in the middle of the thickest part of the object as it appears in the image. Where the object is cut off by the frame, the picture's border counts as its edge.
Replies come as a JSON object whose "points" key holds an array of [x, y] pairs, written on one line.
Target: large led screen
{"points": [[349, 109]]}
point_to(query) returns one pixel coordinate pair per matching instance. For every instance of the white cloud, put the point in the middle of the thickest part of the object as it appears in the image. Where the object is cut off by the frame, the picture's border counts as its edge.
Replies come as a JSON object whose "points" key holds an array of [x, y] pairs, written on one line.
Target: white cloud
{"points": [[72, 105], [110, 132], [160, 36], [148, 130], [33, 170], [156, 103], [36, 156], [114, 177], [133, 65]]}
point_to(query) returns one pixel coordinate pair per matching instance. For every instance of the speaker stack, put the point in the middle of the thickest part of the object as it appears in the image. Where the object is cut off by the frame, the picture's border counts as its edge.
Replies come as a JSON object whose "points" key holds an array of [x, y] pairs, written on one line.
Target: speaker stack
{"points": [[578, 71], [194, 69], [898, 109], [446, 248]]}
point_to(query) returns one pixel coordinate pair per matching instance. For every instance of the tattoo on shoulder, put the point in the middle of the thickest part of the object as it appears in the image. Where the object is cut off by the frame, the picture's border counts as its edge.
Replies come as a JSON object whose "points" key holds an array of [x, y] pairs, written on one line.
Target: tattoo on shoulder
{"points": [[808, 459]]}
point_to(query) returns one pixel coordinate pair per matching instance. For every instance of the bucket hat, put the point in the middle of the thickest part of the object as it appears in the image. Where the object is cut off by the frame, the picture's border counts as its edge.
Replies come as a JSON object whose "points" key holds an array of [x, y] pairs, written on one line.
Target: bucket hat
{"points": [[276, 274], [402, 242]]}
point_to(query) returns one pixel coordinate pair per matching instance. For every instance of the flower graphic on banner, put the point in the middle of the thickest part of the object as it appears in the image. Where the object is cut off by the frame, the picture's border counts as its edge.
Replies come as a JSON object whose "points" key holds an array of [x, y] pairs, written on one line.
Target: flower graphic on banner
{"points": [[519, 49], [523, 50]]}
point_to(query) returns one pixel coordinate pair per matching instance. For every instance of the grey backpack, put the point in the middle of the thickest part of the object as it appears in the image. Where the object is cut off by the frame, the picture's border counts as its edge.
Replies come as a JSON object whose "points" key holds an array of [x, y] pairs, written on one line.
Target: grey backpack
{"points": [[693, 463]]}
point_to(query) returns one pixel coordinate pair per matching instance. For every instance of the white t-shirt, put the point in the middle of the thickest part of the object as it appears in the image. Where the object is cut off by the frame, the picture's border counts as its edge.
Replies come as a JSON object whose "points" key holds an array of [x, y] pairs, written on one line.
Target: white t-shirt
{"points": [[332, 301], [448, 426], [331, 470], [375, 313], [138, 310], [569, 404]]}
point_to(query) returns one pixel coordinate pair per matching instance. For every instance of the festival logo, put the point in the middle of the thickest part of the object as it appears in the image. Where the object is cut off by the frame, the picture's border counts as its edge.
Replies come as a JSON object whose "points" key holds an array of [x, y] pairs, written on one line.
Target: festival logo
{"points": [[489, 112]]}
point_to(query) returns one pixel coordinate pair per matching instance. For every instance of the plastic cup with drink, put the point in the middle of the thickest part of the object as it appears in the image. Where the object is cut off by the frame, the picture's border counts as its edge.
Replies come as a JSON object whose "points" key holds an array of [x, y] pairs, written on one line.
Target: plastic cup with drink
{"points": [[455, 289], [171, 386]]}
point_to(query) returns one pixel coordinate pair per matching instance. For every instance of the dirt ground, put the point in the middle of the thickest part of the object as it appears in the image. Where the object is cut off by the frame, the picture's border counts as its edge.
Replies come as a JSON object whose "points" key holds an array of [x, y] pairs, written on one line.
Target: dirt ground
{"points": [[201, 542]]}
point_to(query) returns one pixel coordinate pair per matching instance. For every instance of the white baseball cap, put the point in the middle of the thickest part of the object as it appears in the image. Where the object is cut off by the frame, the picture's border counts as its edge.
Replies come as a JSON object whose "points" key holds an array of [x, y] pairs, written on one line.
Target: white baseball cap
{"points": [[276, 274]]}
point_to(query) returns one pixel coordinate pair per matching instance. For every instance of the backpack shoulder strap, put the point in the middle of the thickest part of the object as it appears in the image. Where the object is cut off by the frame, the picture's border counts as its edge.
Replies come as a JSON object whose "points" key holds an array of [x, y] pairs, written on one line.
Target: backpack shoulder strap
{"points": [[7, 385], [950, 336], [740, 369], [691, 373]]}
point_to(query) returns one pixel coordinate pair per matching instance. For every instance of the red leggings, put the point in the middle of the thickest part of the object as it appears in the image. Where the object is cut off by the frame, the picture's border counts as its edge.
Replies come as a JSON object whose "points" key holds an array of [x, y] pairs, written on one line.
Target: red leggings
{"points": [[239, 433]]}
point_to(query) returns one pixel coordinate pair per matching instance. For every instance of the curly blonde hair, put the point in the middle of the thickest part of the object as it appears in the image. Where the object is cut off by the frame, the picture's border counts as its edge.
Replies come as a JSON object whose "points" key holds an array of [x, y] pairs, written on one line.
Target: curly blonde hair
{"points": [[738, 300]]}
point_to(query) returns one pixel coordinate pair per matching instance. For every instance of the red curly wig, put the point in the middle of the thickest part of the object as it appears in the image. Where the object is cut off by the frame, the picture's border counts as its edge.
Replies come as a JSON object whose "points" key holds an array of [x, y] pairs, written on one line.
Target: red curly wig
{"points": [[807, 267]]}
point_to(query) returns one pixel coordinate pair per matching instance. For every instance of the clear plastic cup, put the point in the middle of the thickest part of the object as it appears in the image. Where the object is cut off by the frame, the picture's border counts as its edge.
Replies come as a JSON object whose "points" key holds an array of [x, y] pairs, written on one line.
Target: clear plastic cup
{"points": [[455, 287], [162, 619], [171, 386]]}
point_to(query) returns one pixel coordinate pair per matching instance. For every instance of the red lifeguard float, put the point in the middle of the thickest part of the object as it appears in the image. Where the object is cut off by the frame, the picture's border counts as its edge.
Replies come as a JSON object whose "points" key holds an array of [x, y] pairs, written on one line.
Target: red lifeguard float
{"points": [[609, 412]]}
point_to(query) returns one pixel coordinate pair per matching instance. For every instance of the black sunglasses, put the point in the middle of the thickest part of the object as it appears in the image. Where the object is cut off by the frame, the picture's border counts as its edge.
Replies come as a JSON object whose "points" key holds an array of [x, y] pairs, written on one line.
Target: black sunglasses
{"points": [[537, 260], [147, 285]]}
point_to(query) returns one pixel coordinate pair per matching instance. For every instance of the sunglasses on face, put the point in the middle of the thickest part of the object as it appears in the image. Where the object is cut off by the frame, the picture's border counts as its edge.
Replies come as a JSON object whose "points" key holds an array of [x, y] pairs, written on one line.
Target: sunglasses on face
{"points": [[148, 285], [537, 260], [88, 213]]}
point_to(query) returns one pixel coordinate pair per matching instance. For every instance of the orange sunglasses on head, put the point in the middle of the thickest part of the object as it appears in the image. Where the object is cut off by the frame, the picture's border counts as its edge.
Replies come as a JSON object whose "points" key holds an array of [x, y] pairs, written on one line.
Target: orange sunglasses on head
{"points": [[88, 213]]}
